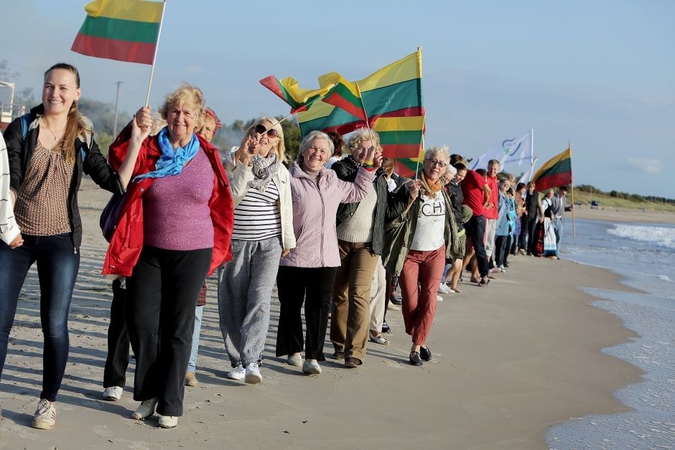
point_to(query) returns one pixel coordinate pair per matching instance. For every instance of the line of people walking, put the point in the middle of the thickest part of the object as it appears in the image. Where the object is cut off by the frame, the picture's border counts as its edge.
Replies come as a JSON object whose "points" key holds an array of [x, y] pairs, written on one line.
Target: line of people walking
{"points": [[332, 240]]}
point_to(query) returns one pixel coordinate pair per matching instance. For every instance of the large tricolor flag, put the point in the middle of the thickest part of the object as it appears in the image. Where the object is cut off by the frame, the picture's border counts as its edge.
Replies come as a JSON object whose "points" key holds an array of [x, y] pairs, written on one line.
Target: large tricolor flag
{"points": [[123, 30], [509, 152], [288, 90], [555, 172], [395, 91]]}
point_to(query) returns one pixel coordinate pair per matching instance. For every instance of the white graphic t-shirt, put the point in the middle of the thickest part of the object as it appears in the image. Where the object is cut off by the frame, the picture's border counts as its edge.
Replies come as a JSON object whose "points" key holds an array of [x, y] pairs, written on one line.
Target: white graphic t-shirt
{"points": [[430, 224]]}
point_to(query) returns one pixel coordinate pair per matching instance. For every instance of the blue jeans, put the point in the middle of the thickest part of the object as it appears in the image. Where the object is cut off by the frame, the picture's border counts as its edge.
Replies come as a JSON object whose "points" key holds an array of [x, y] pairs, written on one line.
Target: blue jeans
{"points": [[194, 352], [57, 267]]}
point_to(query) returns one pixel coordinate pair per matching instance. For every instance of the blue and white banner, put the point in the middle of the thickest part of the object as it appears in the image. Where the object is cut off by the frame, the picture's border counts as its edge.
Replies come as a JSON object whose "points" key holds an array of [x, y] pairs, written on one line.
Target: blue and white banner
{"points": [[509, 152]]}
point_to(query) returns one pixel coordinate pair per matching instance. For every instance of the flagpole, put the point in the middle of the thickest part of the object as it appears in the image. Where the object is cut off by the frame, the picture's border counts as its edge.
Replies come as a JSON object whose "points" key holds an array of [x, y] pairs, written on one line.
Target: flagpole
{"points": [[154, 57], [531, 146], [363, 105], [417, 165], [574, 221]]}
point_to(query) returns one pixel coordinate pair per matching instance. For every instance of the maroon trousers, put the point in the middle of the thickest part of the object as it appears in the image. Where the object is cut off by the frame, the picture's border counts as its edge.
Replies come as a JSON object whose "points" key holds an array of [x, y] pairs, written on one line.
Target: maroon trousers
{"points": [[419, 281]]}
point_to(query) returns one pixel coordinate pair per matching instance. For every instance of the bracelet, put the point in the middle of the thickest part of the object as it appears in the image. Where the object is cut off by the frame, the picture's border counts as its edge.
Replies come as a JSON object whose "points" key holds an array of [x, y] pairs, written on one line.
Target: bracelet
{"points": [[368, 163]]}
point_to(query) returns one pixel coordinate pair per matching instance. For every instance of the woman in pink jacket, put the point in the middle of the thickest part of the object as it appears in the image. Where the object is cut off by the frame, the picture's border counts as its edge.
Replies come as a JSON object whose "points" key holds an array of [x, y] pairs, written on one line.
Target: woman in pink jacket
{"points": [[307, 273]]}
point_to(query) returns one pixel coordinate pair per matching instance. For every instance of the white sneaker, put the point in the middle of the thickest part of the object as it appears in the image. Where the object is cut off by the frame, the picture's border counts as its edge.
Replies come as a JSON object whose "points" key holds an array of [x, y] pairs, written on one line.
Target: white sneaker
{"points": [[168, 421], [237, 373], [294, 359], [146, 409], [253, 375], [112, 393], [439, 298], [311, 367], [444, 289], [45, 415]]}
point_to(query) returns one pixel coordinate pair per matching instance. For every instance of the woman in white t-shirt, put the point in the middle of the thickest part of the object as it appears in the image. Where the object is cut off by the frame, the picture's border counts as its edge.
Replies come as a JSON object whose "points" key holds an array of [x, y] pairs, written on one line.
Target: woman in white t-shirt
{"points": [[429, 235]]}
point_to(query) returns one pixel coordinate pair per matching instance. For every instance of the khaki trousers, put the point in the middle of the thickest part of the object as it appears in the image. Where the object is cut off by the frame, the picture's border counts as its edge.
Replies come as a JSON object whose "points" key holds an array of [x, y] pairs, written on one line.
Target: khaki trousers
{"points": [[351, 299]]}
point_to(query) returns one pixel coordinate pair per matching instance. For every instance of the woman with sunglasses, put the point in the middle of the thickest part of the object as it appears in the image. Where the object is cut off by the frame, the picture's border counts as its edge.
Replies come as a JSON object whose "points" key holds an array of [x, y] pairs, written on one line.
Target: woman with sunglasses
{"points": [[262, 234], [428, 236], [308, 272]]}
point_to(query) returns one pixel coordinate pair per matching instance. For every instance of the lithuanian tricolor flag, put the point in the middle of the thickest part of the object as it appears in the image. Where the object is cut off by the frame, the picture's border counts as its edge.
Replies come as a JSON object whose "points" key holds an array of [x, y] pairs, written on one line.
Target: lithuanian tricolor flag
{"points": [[393, 92], [288, 90], [124, 30], [555, 172], [344, 95]]}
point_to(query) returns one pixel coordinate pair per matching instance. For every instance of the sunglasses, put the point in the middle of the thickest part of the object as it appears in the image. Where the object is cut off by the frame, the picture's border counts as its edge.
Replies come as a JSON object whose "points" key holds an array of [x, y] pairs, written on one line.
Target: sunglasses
{"points": [[270, 133]]}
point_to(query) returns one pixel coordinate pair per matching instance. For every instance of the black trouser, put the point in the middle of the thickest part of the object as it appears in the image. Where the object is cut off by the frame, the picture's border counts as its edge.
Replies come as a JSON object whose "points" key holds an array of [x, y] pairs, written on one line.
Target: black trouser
{"points": [[161, 300], [531, 240], [118, 340], [314, 286], [476, 231], [501, 243]]}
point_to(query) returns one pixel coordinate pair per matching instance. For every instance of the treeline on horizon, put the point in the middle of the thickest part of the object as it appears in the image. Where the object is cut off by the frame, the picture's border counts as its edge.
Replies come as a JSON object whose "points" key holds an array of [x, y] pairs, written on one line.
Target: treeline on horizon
{"points": [[625, 195]]}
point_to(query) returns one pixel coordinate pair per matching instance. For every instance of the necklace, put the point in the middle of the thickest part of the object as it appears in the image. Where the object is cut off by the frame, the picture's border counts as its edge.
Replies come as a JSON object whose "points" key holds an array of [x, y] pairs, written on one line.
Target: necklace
{"points": [[50, 130]]}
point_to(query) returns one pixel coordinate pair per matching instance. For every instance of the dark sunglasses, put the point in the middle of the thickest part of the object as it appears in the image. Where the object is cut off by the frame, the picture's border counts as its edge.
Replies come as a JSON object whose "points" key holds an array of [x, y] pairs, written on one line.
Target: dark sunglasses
{"points": [[270, 133]]}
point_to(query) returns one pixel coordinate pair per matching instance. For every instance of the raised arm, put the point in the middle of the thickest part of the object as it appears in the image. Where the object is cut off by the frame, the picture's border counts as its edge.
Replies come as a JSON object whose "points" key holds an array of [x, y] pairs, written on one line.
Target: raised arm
{"points": [[141, 125]]}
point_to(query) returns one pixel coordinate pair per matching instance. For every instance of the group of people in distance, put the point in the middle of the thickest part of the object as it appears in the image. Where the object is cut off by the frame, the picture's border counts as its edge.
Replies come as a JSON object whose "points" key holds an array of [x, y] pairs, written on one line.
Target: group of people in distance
{"points": [[332, 240]]}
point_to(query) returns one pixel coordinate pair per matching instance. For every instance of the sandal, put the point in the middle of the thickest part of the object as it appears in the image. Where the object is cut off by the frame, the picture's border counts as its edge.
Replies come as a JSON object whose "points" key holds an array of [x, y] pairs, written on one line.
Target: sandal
{"points": [[484, 282], [352, 362], [378, 339]]}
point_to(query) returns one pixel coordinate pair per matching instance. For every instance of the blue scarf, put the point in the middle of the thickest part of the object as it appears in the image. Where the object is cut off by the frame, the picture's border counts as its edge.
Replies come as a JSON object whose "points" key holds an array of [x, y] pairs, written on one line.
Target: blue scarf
{"points": [[172, 160]]}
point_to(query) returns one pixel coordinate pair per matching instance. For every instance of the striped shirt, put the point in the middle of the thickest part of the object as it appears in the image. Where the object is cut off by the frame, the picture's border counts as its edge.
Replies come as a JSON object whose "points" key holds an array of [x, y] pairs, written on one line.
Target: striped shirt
{"points": [[257, 217]]}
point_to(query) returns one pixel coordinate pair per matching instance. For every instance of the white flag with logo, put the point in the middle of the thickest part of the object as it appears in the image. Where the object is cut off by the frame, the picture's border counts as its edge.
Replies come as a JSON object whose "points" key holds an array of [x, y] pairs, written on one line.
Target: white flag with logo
{"points": [[509, 152]]}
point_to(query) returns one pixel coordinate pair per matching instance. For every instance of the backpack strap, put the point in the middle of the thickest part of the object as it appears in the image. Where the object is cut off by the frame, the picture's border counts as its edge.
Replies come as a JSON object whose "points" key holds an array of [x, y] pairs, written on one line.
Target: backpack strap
{"points": [[25, 123]]}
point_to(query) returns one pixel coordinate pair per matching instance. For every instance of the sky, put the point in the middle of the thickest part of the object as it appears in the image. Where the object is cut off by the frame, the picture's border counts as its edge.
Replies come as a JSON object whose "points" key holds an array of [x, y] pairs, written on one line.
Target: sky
{"points": [[598, 74]]}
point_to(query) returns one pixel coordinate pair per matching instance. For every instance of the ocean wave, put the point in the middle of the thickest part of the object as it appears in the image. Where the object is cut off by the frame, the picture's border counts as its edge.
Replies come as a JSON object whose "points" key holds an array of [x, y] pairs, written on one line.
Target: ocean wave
{"points": [[658, 236]]}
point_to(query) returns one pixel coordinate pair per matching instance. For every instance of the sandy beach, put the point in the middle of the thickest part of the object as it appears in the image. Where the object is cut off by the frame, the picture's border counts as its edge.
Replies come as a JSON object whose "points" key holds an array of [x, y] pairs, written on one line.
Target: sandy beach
{"points": [[621, 215], [510, 360]]}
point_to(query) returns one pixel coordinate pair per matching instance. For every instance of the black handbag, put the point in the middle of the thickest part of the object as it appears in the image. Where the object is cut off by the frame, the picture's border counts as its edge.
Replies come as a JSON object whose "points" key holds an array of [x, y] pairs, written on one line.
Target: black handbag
{"points": [[110, 216]]}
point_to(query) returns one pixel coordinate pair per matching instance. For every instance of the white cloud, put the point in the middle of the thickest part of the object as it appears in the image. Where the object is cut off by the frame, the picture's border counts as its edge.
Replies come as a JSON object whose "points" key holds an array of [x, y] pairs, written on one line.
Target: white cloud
{"points": [[646, 165]]}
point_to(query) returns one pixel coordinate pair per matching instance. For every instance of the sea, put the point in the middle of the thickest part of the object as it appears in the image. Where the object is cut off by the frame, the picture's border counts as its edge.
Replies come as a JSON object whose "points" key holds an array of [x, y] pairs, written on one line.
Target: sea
{"points": [[644, 255]]}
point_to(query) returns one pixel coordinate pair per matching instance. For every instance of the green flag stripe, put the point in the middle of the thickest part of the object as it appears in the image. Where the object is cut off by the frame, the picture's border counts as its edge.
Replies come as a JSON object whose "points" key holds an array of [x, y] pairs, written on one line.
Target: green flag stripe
{"points": [[120, 29]]}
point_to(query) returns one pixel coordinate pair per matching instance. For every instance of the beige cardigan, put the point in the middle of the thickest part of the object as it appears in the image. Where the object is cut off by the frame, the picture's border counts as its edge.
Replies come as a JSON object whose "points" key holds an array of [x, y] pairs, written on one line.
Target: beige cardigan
{"points": [[239, 176]]}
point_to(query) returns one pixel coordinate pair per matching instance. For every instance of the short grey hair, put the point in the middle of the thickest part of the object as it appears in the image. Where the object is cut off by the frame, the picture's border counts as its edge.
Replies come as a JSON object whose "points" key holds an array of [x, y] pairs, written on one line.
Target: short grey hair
{"points": [[316, 134], [443, 150]]}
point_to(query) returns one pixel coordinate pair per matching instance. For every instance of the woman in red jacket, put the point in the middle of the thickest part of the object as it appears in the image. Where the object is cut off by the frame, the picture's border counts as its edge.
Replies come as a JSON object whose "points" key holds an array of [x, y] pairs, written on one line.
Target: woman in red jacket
{"points": [[174, 230]]}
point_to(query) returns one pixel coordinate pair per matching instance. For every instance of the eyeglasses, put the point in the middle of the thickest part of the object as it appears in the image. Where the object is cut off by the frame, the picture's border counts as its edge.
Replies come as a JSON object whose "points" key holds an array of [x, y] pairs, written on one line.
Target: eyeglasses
{"points": [[435, 162], [260, 128]]}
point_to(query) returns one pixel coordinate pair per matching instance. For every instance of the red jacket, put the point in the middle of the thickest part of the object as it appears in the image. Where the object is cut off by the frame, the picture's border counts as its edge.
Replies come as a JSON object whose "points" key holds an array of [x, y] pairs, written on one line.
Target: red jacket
{"points": [[126, 244]]}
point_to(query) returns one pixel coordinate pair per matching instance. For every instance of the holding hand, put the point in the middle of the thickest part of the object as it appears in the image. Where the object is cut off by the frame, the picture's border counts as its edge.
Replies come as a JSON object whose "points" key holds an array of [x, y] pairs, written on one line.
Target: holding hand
{"points": [[142, 123], [413, 187], [17, 242], [375, 155]]}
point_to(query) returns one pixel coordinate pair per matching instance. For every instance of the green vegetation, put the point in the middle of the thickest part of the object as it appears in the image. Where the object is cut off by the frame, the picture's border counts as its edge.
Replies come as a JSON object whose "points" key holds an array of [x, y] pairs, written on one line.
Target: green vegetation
{"points": [[584, 194]]}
